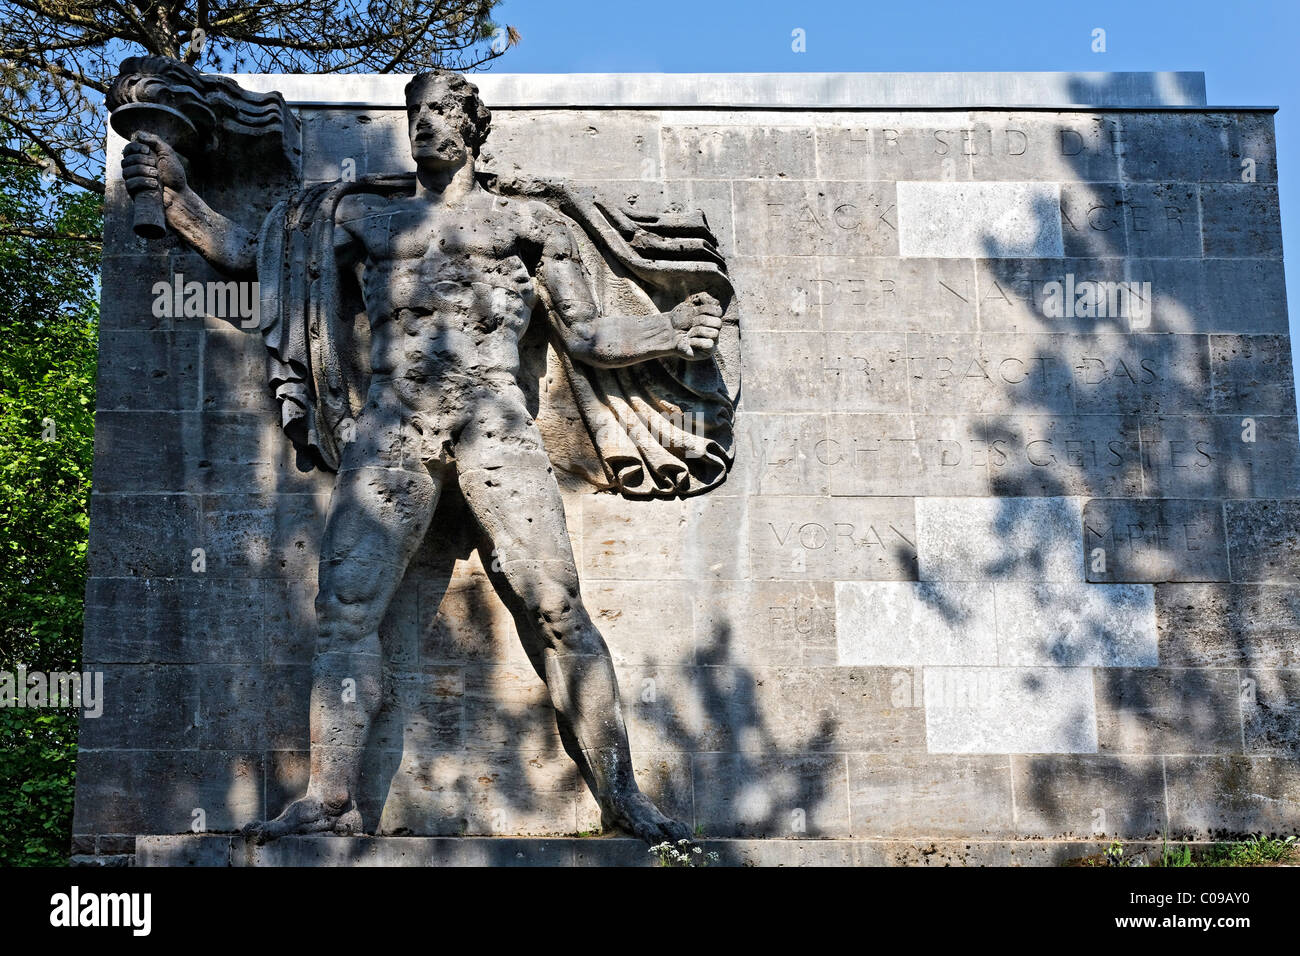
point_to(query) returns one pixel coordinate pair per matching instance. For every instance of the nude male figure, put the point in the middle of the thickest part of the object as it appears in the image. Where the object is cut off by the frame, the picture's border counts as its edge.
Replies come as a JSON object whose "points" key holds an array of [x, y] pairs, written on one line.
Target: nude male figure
{"points": [[450, 278]]}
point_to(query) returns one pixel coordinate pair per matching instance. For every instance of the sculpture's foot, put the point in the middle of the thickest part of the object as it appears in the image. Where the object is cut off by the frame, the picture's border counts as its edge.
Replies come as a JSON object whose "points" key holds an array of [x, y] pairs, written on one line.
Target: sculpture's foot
{"points": [[636, 815], [307, 815]]}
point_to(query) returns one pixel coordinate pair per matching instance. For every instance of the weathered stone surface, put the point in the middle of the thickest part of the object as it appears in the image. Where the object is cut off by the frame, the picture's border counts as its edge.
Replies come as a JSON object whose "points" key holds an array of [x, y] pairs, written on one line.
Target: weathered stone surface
{"points": [[932, 796], [1010, 710], [807, 372], [738, 152], [1252, 374], [1264, 541], [1270, 712], [1152, 540], [1215, 797], [1241, 219], [1082, 796], [882, 640], [829, 539], [775, 218], [766, 622], [1198, 147], [771, 795], [1006, 539], [1164, 711], [1220, 456], [1217, 625]]}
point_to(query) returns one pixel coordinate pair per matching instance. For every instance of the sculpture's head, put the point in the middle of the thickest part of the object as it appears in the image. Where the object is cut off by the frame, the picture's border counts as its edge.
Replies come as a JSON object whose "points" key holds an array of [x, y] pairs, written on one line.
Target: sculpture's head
{"points": [[445, 118]]}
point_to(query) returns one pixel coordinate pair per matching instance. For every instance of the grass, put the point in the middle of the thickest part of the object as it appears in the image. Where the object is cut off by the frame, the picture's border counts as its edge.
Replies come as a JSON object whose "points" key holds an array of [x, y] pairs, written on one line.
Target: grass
{"points": [[1256, 851]]}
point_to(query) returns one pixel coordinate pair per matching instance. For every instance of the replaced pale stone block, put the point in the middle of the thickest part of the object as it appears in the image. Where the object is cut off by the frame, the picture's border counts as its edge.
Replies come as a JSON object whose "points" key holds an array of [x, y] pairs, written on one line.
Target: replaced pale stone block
{"points": [[905, 624], [1076, 625], [999, 539], [1010, 710], [979, 220], [1162, 539]]}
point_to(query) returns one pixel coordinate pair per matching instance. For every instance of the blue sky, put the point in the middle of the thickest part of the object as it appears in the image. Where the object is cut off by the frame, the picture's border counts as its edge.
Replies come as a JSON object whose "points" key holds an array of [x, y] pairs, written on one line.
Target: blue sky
{"points": [[1247, 51]]}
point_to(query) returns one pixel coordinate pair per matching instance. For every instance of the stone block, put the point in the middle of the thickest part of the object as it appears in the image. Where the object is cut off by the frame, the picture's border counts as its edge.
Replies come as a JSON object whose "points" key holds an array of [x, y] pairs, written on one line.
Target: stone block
{"points": [[766, 622], [999, 539], [979, 220], [1010, 710], [902, 624], [1252, 374], [930, 796], [771, 795], [1076, 625], [1154, 539], [1064, 455], [780, 454], [816, 372], [777, 218], [141, 370], [935, 455], [1220, 456], [1221, 625], [1270, 712], [1241, 219], [1168, 710], [1085, 796], [738, 152], [1222, 797], [1264, 541], [832, 539], [1197, 147]]}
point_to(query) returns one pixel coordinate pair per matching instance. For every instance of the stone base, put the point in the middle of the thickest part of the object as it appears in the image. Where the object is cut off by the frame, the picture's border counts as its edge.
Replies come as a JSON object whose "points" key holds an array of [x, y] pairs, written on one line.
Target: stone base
{"points": [[219, 850]]}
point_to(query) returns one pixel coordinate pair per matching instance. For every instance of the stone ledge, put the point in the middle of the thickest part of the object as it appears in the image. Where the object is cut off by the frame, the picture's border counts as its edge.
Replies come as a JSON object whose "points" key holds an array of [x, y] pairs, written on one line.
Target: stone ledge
{"points": [[226, 850], [763, 90]]}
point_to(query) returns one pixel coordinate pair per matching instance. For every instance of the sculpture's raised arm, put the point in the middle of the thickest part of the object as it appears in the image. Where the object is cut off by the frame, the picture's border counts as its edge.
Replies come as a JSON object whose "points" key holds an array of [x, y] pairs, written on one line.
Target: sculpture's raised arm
{"points": [[148, 163], [688, 331]]}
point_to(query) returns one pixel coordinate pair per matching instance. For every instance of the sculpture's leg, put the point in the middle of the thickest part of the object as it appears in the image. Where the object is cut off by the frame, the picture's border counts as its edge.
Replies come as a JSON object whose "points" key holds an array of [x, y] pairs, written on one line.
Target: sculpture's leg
{"points": [[377, 518], [509, 486]]}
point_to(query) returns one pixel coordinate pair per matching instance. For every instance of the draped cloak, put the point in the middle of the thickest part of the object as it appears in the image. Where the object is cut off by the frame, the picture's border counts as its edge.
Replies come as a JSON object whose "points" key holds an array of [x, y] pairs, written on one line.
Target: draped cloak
{"points": [[659, 428]]}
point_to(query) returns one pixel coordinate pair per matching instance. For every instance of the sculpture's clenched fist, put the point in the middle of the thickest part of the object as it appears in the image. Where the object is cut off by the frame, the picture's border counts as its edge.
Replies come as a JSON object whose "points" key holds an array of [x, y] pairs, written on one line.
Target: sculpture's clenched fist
{"points": [[697, 322], [149, 163]]}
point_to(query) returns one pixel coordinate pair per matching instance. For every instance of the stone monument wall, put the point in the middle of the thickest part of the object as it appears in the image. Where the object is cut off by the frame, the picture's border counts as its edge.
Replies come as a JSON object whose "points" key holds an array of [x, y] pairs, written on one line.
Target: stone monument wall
{"points": [[992, 564]]}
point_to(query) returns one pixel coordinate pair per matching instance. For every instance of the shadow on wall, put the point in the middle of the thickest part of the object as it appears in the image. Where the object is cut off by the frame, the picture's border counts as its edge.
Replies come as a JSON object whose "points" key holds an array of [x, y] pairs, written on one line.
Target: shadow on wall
{"points": [[1206, 744]]}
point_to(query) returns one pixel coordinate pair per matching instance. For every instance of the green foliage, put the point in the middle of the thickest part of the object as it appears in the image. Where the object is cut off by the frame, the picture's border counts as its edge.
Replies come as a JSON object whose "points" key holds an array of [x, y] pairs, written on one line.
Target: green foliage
{"points": [[1257, 851], [48, 316]]}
